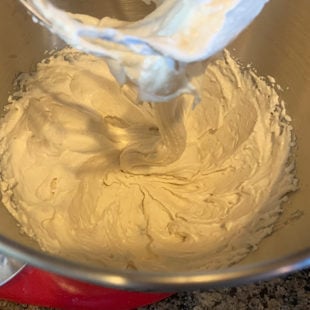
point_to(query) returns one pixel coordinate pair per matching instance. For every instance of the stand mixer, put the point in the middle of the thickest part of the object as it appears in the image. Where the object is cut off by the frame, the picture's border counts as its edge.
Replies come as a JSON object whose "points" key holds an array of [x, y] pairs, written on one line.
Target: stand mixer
{"points": [[291, 255]]}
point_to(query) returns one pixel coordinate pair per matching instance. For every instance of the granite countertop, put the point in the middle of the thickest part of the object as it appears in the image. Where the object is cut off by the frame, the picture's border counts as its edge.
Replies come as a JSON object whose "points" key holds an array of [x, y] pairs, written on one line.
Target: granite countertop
{"points": [[285, 293]]}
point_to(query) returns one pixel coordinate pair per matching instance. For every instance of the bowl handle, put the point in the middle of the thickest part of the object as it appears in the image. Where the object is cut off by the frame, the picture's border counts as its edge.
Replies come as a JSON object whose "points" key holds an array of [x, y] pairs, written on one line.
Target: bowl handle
{"points": [[9, 267]]}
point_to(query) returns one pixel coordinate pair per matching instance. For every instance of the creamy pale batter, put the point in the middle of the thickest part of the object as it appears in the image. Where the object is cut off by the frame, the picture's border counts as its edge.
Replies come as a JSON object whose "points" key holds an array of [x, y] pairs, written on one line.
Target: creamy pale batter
{"points": [[92, 174]]}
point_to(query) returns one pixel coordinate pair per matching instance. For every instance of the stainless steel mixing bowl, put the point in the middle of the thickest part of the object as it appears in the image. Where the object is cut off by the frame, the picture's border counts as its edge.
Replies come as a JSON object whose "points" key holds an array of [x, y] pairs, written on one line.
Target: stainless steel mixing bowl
{"points": [[277, 44]]}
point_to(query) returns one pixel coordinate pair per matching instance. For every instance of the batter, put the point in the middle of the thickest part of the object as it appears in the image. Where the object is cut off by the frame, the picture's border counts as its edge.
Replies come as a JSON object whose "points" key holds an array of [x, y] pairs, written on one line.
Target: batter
{"points": [[91, 174]]}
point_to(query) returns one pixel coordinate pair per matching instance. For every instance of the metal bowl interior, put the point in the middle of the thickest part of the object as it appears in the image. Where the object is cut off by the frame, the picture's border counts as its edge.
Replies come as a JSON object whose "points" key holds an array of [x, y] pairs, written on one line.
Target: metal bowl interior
{"points": [[277, 44]]}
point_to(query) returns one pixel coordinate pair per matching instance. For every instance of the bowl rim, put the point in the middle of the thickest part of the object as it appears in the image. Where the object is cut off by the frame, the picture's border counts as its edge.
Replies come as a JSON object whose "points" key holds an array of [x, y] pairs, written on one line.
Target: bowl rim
{"points": [[157, 281]]}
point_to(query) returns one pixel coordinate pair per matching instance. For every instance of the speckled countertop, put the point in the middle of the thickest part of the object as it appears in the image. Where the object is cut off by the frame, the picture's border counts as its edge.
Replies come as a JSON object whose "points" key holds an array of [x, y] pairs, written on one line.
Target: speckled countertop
{"points": [[289, 292]]}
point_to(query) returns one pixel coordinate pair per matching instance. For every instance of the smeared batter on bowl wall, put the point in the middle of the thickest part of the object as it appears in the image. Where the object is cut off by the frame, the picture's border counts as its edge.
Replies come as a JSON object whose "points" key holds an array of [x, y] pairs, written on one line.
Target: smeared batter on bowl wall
{"points": [[70, 175]]}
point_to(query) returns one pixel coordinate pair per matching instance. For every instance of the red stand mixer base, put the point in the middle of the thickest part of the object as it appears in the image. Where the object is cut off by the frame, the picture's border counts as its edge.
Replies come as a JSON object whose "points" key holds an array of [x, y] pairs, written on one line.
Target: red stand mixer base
{"points": [[37, 287]]}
